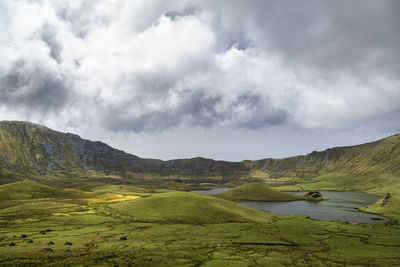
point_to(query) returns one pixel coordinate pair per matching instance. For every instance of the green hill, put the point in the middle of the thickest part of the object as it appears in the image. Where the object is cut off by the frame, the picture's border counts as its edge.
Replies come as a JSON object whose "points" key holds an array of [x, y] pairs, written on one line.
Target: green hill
{"points": [[183, 207], [31, 190], [257, 192], [177, 186], [370, 167]]}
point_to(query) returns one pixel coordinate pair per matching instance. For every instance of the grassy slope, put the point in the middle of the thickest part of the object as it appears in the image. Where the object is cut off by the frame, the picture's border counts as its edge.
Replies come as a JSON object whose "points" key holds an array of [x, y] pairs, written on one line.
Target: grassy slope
{"points": [[373, 167], [171, 229], [31, 190], [123, 189], [379, 158], [38, 152], [95, 236], [38, 209], [182, 207], [177, 186], [390, 209], [256, 192]]}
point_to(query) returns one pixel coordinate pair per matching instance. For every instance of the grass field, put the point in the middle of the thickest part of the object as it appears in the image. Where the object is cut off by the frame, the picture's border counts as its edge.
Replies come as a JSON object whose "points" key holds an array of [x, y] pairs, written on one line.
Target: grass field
{"points": [[171, 228], [261, 192]]}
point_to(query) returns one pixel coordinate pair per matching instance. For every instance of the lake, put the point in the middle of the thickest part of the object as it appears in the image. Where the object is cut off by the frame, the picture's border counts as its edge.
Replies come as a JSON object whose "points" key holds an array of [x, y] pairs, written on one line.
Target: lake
{"points": [[342, 206], [215, 190]]}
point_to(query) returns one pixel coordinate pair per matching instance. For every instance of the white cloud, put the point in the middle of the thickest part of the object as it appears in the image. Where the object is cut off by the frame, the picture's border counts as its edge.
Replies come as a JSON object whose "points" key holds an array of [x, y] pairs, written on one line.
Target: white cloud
{"points": [[149, 66]]}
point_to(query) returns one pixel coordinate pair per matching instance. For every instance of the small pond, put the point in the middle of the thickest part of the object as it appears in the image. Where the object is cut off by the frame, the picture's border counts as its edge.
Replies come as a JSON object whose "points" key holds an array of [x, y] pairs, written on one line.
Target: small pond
{"points": [[341, 206], [214, 190]]}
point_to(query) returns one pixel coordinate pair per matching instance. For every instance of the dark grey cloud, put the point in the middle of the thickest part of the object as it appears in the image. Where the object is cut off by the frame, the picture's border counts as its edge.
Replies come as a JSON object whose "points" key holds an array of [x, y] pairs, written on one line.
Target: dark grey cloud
{"points": [[359, 36], [49, 36], [33, 89], [199, 110], [260, 112], [176, 14], [150, 122], [196, 108]]}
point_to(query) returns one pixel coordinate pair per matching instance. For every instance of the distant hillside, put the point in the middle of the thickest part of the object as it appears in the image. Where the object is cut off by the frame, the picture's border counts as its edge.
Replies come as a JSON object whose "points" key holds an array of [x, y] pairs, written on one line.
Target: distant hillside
{"points": [[32, 150], [378, 157], [29, 150]]}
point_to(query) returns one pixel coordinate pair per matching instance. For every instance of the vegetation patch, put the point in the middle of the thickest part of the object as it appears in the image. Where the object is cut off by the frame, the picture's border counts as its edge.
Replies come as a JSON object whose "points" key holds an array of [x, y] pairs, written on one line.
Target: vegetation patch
{"points": [[30, 190], [38, 209], [177, 186], [171, 228], [314, 196], [107, 198], [182, 207], [387, 206], [257, 192]]}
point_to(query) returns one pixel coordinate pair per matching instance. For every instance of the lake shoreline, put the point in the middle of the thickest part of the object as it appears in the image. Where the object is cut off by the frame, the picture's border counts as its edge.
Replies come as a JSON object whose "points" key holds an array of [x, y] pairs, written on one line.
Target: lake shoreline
{"points": [[345, 206]]}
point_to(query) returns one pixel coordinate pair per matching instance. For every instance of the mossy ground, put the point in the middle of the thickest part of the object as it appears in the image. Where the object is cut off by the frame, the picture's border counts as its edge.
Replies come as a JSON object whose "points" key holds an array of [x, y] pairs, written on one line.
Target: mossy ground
{"points": [[257, 192], [94, 228], [183, 207], [96, 241]]}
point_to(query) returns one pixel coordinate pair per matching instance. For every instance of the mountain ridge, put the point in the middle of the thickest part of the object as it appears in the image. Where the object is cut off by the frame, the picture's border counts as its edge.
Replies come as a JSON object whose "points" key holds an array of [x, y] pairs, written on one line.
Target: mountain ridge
{"points": [[31, 150], [37, 150]]}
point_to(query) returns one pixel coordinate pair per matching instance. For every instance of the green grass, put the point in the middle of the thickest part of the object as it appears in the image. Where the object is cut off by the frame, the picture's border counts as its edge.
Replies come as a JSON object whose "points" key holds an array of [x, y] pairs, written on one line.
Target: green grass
{"points": [[172, 185], [390, 208], [171, 228], [257, 192], [182, 207], [377, 184], [38, 209], [124, 189], [95, 240], [30, 190]]}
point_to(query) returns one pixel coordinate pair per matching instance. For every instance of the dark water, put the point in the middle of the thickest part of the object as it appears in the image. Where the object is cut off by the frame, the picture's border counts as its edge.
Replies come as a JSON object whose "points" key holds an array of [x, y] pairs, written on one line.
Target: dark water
{"points": [[342, 206], [215, 190]]}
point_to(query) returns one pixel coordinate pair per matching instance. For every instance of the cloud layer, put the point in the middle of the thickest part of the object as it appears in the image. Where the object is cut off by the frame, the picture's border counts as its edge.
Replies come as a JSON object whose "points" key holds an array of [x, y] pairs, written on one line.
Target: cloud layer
{"points": [[149, 66]]}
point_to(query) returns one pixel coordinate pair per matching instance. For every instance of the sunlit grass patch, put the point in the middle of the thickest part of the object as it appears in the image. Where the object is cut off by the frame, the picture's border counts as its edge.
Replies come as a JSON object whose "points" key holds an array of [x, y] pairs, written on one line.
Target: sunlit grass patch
{"points": [[108, 198]]}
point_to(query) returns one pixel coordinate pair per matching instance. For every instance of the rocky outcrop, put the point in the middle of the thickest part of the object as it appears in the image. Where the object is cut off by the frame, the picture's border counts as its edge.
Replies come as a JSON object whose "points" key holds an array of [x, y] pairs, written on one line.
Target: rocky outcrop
{"points": [[386, 199], [314, 196]]}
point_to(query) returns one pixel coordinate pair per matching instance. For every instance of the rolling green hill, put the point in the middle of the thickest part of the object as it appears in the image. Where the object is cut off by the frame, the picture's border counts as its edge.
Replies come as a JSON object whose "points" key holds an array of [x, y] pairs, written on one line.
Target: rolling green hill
{"points": [[183, 207], [257, 192], [31, 190]]}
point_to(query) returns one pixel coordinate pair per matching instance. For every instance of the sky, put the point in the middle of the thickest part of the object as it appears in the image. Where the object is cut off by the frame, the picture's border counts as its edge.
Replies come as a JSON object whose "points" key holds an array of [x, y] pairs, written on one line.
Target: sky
{"points": [[223, 79]]}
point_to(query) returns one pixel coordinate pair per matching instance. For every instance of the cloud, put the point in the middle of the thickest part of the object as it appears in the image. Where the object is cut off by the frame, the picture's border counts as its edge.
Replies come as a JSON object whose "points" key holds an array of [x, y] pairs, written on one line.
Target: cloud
{"points": [[32, 89], [194, 108], [48, 35], [199, 110], [335, 36], [150, 66]]}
